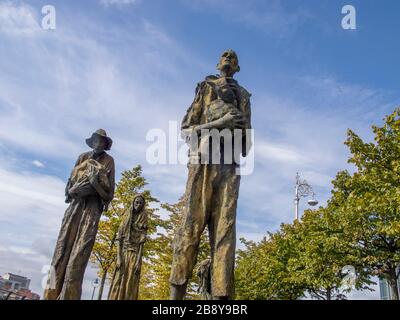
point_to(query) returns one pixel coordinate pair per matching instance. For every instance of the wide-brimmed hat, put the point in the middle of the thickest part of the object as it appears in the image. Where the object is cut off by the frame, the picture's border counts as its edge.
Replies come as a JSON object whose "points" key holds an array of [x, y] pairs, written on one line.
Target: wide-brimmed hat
{"points": [[102, 133]]}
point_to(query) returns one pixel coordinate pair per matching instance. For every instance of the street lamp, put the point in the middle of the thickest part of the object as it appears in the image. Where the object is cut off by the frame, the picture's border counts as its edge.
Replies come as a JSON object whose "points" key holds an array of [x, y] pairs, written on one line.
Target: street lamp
{"points": [[303, 189], [95, 284]]}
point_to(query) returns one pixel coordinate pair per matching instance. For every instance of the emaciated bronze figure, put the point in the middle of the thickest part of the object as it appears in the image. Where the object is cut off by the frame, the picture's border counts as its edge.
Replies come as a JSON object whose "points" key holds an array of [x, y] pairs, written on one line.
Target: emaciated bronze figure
{"points": [[131, 238], [89, 191], [212, 189]]}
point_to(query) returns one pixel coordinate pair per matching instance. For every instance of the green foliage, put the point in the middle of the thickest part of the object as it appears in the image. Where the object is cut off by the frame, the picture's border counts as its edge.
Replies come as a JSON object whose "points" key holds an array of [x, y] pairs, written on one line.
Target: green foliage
{"points": [[262, 270], [360, 226], [302, 258], [371, 213]]}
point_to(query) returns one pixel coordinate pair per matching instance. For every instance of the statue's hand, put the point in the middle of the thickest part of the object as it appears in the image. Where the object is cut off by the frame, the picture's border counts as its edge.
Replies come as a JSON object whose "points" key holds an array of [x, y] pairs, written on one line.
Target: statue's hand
{"points": [[233, 120], [94, 179]]}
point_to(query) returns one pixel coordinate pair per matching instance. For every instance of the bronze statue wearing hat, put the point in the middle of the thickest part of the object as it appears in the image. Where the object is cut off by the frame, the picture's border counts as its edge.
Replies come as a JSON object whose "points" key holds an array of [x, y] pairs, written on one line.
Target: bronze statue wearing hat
{"points": [[89, 191]]}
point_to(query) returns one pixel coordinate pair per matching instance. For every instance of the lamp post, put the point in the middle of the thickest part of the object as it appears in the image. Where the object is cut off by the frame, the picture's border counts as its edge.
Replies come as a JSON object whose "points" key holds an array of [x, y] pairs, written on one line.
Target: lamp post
{"points": [[303, 189], [95, 284]]}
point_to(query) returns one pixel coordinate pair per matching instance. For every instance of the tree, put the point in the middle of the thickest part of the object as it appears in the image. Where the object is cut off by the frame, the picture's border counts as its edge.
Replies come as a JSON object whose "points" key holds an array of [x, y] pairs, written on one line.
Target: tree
{"points": [[371, 211], [306, 257], [360, 226], [324, 257], [261, 271], [104, 250]]}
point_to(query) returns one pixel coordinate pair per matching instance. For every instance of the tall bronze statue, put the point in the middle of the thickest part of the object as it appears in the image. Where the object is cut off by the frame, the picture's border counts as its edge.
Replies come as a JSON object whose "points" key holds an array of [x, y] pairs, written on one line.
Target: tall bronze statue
{"points": [[131, 238], [212, 188], [89, 191]]}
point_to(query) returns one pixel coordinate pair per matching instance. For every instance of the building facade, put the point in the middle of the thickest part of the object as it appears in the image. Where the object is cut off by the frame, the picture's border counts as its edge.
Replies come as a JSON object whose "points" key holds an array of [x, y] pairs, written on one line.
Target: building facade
{"points": [[385, 290], [16, 287]]}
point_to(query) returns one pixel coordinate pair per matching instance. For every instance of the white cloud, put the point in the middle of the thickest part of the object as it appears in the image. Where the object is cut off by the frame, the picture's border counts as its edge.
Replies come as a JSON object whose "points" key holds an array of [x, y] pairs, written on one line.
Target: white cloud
{"points": [[280, 153], [30, 216], [38, 164], [317, 178], [31, 187], [18, 20]]}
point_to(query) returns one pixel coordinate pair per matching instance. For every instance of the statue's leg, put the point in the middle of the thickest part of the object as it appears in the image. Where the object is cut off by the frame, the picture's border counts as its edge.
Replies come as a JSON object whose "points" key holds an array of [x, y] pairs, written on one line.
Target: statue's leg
{"points": [[220, 298], [222, 229], [72, 288], [132, 273], [65, 242], [178, 291], [187, 237]]}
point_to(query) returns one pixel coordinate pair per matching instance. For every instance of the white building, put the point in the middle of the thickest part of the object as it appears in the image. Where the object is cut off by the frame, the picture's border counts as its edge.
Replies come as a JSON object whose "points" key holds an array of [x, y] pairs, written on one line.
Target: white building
{"points": [[385, 290], [14, 282]]}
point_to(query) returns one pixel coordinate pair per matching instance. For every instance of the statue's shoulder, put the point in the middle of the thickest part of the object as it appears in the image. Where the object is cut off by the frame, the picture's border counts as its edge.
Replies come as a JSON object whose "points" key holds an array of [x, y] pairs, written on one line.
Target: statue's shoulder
{"points": [[207, 81], [211, 78], [244, 91], [84, 156], [108, 158], [204, 84]]}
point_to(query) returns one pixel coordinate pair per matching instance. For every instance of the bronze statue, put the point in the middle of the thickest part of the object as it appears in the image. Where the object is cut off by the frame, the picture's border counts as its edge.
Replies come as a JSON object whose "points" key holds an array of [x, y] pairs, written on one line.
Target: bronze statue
{"points": [[89, 191], [212, 189], [131, 238]]}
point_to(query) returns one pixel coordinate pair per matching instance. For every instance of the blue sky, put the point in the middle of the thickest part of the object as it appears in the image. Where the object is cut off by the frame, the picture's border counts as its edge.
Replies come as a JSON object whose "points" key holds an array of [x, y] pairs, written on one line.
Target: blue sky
{"points": [[130, 66]]}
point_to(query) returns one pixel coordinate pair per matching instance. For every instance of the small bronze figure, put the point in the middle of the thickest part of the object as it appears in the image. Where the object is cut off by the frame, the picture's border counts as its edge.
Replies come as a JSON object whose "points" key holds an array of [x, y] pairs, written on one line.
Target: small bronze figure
{"points": [[131, 238]]}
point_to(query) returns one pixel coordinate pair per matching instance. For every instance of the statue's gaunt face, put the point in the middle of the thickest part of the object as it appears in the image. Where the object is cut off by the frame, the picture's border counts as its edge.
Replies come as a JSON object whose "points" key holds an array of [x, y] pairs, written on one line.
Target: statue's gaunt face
{"points": [[138, 203], [99, 144], [228, 62]]}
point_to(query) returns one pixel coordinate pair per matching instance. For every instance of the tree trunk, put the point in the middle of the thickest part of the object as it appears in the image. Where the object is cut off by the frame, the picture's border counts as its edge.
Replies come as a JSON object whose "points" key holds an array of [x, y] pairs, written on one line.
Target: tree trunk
{"points": [[101, 287], [391, 278], [104, 277], [328, 294], [394, 289]]}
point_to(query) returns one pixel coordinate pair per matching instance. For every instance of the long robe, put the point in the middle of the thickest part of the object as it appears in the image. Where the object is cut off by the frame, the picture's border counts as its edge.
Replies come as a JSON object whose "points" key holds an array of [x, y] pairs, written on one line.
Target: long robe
{"points": [[77, 236], [131, 238]]}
